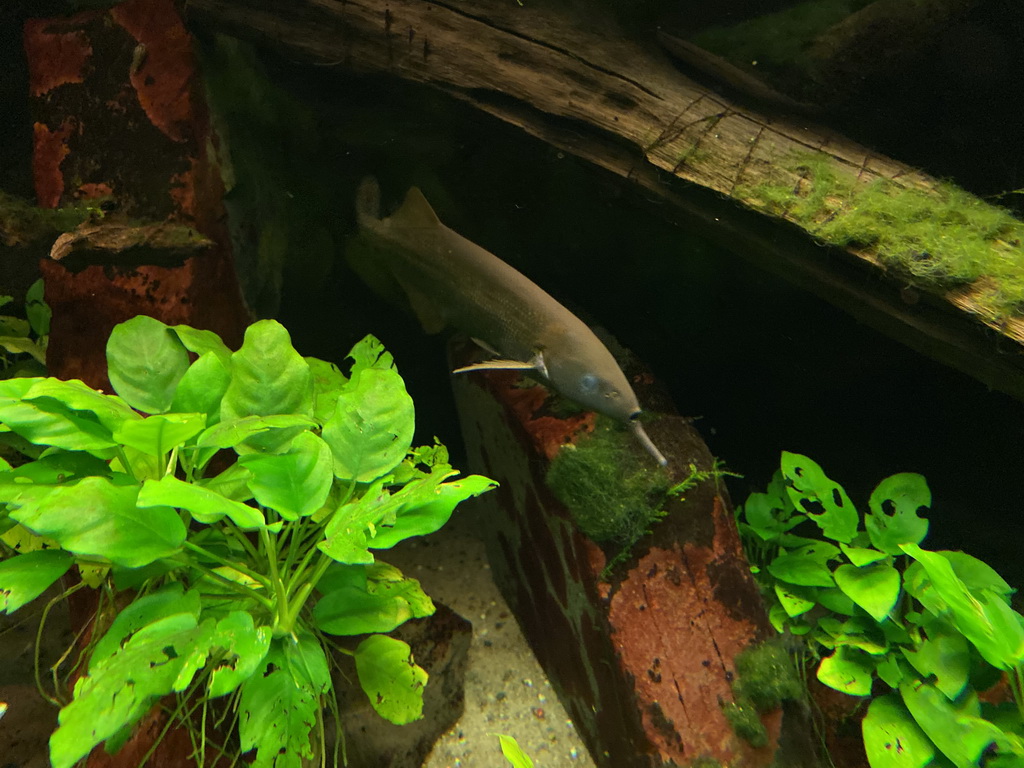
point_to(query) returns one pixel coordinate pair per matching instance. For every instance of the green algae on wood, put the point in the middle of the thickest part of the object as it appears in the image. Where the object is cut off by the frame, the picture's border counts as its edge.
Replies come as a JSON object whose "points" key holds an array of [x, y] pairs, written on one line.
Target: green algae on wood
{"points": [[21, 222], [940, 238]]}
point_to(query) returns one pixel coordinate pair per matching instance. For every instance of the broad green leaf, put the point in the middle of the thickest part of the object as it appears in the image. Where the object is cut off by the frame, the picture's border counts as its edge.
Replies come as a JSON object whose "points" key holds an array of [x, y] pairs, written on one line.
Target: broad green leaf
{"points": [[894, 505], [946, 655], [22, 540], [421, 514], [369, 352], [821, 499], [158, 435], [769, 516], [328, 382], [982, 616], [975, 574], [48, 422], [232, 483], [513, 752], [835, 600], [202, 386], [874, 588], [14, 327], [802, 571], [860, 556], [280, 704], [371, 428], [231, 433], [891, 672], [778, 618], [958, 732], [37, 310], [391, 679], [202, 342], [854, 632], [25, 577], [16, 388], [141, 465], [377, 598], [19, 345], [892, 738], [161, 658], [791, 599], [205, 505], [145, 361], [94, 517], [59, 467], [347, 543], [847, 670], [109, 410], [245, 647], [296, 482], [166, 601], [268, 377]]}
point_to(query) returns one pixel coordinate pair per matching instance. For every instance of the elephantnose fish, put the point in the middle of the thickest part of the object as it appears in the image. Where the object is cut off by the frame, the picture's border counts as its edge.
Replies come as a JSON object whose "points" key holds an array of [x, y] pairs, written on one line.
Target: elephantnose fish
{"points": [[450, 281]]}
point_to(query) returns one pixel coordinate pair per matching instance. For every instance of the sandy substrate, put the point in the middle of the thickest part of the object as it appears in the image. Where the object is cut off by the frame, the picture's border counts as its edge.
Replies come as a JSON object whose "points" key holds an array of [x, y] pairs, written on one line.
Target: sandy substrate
{"points": [[506, 690]]}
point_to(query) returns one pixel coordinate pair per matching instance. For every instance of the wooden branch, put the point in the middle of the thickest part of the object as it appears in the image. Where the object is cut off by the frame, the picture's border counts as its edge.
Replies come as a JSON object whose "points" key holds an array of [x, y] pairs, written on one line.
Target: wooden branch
{"points": [[623, 106]]}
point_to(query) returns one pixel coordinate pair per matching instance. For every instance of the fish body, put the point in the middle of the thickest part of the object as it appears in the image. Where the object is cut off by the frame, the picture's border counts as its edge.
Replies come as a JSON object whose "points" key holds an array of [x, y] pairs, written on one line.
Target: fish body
{"points": [[452, 282]]}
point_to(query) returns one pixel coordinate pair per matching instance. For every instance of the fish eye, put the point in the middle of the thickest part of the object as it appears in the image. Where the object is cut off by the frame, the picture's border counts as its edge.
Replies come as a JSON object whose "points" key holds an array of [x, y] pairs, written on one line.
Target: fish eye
{"points": [[589, 383], [635, 415]]}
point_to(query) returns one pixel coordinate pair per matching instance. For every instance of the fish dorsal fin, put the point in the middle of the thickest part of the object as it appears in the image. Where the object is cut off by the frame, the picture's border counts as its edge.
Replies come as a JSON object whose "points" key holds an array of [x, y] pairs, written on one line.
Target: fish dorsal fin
{"points": [[415, 211]]}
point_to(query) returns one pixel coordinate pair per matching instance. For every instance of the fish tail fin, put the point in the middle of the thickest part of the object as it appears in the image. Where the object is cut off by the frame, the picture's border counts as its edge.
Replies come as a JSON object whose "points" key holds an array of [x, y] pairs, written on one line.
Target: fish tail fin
{"points": [[368, 200]]}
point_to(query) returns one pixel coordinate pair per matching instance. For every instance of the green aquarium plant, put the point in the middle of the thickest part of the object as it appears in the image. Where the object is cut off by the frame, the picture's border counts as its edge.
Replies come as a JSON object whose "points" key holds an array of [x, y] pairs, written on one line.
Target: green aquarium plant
{"points": [[513, 753], [23, 339], [228, 508], [919, 634]]}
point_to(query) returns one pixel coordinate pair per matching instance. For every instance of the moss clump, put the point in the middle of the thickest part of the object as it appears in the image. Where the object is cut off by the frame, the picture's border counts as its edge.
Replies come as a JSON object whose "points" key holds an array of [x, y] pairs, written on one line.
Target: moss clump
{"points": [[767, 677], [942, 237], [614, 493], [746, 722]]}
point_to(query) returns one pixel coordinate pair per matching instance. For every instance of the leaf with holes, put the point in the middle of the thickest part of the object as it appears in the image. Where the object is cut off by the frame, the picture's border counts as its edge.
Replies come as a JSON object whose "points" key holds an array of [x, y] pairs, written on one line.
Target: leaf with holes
{"points": [[391, 679], [280, 703], [160, 658], [893, 516], [821, 499]]}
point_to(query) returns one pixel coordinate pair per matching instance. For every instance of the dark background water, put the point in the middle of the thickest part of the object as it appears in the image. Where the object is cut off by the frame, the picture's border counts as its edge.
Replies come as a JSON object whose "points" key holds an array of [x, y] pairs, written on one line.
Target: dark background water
{"points": [[764, 365]]}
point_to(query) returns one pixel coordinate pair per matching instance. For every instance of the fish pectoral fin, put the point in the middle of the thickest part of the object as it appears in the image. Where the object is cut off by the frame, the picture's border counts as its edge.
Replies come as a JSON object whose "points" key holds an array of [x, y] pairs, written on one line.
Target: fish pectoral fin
{"points": [[424, 308], [484, 345], [498, 365]]}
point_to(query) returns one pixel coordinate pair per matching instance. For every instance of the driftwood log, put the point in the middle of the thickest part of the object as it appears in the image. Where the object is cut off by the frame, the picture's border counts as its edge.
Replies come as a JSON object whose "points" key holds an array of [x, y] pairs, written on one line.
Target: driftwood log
{"points": [[622, 105]]}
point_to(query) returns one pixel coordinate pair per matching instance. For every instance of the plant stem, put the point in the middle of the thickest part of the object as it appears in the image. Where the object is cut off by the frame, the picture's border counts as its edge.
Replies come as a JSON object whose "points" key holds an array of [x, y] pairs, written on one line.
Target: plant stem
{"points": [[303, 594], [283, 622], [240, 567]]}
